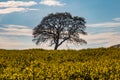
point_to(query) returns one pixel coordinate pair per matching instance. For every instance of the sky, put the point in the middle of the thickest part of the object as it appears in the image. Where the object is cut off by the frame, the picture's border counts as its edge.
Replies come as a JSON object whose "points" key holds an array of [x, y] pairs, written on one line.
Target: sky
{"points": [[19, 17]]}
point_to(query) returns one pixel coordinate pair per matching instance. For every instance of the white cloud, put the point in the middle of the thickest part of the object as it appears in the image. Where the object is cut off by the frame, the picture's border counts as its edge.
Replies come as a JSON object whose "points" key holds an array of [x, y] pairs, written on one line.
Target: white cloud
{"points": [[15, 26], [7, 43], [52, 3], [16, 30], [110, 39], [105, 24], [114, 23], [13, 43], [10, 10], [116, 19], [17, 4]]}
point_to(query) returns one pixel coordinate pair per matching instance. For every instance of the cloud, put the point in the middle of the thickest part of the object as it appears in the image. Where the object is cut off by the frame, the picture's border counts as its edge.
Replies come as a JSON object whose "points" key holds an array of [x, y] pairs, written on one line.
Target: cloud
{"points": [[110, 38], [52, 3], [7, 43], [16, 30], [105, 24], [10, 10], [114, 23], [15, 6], [116, 19], [13, 43]]}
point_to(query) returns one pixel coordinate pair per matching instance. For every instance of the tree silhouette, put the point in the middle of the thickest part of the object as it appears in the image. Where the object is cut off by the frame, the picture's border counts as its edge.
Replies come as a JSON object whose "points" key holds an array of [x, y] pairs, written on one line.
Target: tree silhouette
{"points": [[58, 28]]}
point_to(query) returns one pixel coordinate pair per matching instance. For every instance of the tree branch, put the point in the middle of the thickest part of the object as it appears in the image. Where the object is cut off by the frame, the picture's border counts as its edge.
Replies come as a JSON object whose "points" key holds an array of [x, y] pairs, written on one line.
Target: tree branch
{"points": [[63, 40]]}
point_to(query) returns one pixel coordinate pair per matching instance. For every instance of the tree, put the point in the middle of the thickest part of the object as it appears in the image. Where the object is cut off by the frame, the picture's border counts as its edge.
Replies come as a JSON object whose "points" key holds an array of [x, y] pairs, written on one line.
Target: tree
{"points": [[58, 28]]}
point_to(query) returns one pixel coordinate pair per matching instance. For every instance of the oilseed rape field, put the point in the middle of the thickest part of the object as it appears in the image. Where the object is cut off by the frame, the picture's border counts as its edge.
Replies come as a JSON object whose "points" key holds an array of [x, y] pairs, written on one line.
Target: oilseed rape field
{"points": [[39, 64]]}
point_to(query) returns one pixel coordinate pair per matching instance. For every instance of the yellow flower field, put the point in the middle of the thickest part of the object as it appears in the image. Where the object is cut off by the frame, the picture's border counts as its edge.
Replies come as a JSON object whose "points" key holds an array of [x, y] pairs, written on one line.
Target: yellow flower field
{"points": [[39, 64]]}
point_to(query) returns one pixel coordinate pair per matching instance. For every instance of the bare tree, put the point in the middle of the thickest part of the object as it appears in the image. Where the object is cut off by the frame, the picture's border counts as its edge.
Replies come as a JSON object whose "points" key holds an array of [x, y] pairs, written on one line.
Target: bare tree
{"points": [[58, 28]]}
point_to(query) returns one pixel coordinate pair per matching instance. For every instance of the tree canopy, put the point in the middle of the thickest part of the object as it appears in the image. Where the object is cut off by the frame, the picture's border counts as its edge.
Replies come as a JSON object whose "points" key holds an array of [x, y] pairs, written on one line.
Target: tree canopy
{"points": [[58, 28]]}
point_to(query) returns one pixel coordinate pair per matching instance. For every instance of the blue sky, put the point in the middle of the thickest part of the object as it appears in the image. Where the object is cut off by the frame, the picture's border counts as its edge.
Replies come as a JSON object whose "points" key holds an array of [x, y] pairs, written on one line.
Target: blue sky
{"points": [[19, 17]]}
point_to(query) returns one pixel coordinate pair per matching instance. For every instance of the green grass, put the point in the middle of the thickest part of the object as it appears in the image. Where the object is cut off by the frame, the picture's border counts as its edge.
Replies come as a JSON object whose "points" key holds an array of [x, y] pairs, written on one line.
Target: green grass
{"points": [[39, 64]]}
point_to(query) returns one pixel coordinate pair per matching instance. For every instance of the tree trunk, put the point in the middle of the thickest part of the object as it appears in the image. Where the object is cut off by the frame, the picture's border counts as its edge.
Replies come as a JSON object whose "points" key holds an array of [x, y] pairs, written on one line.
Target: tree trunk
{"points": [[56, 46]]}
